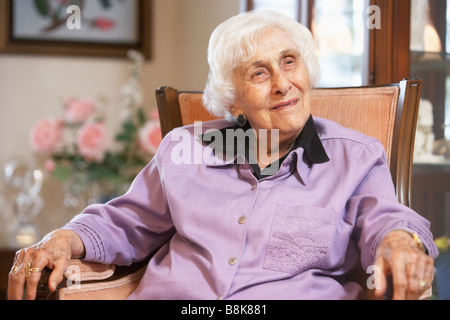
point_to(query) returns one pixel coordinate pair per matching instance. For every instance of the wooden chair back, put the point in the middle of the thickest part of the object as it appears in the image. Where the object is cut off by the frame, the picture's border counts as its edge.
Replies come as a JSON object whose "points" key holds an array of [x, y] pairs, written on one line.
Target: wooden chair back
{"points": [[387, 113]]}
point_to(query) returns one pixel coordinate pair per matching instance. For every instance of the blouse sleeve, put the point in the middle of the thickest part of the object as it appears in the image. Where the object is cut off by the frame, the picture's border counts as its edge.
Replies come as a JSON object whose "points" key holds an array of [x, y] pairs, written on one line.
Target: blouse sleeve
{"points": [[130, 227], [377, 209]]}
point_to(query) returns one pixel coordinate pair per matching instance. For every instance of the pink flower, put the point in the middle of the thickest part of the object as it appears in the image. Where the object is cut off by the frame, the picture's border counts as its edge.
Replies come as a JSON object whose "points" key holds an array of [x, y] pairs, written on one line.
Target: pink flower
{"points": [[46, 136], [104, 24], [93, 141], [150, 137], [79, 110], [154, 114], [49, 165]]}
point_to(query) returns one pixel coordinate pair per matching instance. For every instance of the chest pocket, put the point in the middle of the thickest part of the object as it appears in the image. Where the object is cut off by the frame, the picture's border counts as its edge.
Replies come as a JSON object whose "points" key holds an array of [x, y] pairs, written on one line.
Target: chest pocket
{"points": [[301, 238]]}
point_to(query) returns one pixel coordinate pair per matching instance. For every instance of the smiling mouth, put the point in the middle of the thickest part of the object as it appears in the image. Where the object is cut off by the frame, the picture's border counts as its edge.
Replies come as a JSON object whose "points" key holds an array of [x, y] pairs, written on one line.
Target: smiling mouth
{"points": [[285, 105]]}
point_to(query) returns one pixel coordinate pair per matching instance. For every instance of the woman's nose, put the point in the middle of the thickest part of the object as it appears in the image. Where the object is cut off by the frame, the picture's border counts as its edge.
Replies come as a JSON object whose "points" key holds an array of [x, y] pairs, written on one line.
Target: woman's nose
{"points": [[280, 83]]}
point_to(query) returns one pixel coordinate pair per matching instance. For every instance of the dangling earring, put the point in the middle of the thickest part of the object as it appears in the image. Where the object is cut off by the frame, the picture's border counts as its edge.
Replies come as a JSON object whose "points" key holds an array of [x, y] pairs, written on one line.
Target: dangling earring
{"points": [[241, 120]]}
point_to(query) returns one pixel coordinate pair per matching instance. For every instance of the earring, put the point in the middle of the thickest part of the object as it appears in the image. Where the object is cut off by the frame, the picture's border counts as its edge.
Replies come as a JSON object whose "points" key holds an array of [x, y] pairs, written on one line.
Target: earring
{"points": [[241, 120]]}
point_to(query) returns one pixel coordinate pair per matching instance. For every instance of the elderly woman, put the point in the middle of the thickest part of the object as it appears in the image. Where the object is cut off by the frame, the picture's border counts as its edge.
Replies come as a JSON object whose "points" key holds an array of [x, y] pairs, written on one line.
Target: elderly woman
{"points": [[228, 228]]}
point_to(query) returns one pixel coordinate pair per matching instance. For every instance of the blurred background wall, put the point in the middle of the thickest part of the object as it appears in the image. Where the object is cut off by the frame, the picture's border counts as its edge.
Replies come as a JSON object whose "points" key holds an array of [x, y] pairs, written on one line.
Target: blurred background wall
{"points": [[33, 86]]}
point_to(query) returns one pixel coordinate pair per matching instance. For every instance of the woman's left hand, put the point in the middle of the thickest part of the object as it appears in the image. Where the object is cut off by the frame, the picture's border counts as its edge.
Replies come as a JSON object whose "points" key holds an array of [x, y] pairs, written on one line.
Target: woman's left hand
{"points": [[411, 269]]}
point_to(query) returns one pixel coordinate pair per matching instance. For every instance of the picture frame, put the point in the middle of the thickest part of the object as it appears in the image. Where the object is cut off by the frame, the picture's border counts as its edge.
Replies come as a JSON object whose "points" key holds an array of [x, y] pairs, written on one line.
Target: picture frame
{"points": [[27, 28]]}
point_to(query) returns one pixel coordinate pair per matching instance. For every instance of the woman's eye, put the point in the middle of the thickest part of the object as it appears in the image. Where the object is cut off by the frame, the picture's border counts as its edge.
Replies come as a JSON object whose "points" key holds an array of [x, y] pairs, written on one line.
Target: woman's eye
{"points": [[289, 64], [289, 61], [258, 74]]}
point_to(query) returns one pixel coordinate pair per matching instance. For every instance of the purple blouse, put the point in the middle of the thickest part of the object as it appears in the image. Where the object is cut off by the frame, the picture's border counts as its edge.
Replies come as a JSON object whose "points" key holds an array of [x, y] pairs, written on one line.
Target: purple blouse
{"points": [[224, 234]]}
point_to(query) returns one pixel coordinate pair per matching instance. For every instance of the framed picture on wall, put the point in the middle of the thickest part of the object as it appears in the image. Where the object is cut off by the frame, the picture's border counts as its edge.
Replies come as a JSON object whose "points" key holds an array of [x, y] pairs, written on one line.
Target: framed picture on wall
{"points": [[107, 28]]}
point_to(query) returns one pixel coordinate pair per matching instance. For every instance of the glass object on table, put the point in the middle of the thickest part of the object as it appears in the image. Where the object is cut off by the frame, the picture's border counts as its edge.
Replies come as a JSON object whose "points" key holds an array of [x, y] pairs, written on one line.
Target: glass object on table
{"points": [[25, 180]]}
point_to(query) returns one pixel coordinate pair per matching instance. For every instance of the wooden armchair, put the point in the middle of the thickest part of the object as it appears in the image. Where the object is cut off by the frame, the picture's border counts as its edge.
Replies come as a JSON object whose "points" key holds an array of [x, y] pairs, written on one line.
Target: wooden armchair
{"points": [[388, 113]]}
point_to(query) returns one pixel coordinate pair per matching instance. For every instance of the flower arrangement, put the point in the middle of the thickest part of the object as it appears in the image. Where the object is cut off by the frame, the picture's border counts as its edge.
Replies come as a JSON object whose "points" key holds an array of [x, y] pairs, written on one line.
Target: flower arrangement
{"points": [[78, 147]]}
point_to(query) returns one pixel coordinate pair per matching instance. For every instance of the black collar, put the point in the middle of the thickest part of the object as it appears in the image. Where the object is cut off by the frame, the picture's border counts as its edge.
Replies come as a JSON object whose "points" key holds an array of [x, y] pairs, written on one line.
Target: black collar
{"points": [[308, 139]]}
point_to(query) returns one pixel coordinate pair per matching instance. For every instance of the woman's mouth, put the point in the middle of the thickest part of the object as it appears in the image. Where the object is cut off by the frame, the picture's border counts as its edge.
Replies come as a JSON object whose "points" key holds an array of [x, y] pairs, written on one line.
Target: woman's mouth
{"points": [[285, 105]]}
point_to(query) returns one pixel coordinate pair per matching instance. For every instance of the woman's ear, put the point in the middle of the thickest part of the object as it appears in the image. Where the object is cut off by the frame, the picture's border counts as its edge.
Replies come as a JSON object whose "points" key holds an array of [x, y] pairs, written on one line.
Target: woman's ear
{"points": [[232, 110], [235, 111]]}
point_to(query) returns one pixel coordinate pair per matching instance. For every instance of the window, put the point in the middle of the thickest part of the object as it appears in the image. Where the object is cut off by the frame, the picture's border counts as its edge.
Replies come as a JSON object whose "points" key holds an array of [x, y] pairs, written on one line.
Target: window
{"points": [[288, 7], [447, 102], [430, 58], [338, 27]]}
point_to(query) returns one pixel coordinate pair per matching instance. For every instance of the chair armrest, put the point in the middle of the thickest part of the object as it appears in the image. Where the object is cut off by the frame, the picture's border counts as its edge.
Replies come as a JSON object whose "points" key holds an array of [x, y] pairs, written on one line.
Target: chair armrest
{"points": [[93, 281]]}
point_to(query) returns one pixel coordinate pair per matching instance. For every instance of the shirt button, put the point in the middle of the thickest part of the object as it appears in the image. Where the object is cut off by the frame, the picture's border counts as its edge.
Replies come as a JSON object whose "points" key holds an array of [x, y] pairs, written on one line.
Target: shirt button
{"points": [[254, 187], [232, 261], [242, 220]]}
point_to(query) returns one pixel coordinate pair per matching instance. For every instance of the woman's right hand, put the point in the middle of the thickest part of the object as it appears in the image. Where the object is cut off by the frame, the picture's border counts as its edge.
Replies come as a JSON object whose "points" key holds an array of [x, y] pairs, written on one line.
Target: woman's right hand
{"points": [[53, 252]]}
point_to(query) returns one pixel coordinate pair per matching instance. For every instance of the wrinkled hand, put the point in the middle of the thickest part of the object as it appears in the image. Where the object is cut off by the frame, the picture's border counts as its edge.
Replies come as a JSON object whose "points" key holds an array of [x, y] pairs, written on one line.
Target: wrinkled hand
{"points": [[53, 252], [411, 269]]}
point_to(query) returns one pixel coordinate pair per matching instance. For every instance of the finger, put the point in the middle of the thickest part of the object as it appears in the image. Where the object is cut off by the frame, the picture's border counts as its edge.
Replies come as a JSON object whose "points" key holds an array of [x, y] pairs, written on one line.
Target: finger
{"points": [[32, 282], [57, 274], [415, 272], [14, 269], [18, 278], [427, 279], [380, 278], [429, 270], [40, 261], [399, 278], [14, 284]]}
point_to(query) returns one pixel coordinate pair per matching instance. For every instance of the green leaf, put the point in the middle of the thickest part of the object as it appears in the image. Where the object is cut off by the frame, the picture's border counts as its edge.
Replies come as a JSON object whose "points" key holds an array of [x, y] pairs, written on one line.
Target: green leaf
{"points": [[42, 7], [129, 127], [141, 117], [123, 137], [61, 173]]}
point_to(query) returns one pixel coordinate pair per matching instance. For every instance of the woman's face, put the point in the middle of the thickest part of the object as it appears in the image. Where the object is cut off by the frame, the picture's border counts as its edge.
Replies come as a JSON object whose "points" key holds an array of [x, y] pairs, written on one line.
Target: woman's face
{"points": [[273, 87]]}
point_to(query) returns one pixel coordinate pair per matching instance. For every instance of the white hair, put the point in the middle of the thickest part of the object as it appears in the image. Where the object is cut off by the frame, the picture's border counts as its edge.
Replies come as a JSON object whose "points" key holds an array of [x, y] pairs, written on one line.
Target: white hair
{"points": [[236, 40]]}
